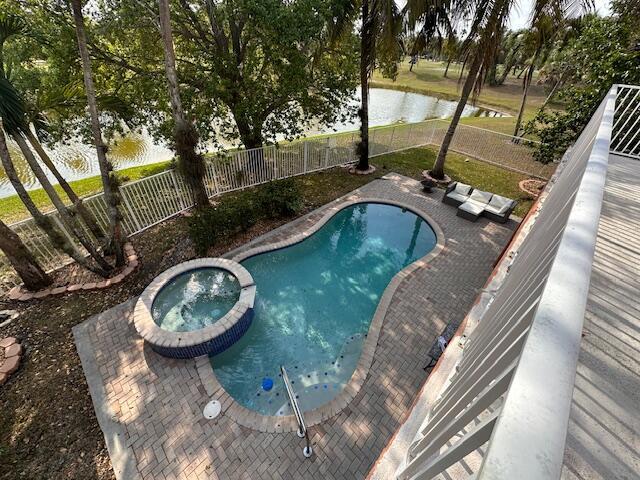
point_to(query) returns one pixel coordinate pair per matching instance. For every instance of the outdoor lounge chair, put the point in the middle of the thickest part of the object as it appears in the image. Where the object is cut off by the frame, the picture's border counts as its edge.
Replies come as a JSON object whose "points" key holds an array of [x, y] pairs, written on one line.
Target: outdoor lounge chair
{"points": [[475, 205], [456, 194], [499, 209]]}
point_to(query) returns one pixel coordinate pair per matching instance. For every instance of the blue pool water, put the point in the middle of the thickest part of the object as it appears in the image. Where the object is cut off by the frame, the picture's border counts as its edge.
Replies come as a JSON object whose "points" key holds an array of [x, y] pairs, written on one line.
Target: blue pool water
{"points": [[314, 303], [195, 299]]}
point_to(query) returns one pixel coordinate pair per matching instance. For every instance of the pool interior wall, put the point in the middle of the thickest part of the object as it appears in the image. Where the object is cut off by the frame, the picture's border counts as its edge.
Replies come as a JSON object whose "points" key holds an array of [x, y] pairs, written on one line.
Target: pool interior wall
{"points": [[314, 303]]}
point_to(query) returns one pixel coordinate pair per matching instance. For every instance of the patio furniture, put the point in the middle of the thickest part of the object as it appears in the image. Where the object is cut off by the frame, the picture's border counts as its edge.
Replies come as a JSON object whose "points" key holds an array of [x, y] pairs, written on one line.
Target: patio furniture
{"points": [[456, 194], [499, 208]]}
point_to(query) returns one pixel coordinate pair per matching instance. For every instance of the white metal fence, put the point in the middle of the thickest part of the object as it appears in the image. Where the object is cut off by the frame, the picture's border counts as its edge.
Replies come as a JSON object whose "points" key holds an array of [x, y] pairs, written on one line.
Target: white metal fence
{"points": [[526, 344], [153, 199], [625, 139]]}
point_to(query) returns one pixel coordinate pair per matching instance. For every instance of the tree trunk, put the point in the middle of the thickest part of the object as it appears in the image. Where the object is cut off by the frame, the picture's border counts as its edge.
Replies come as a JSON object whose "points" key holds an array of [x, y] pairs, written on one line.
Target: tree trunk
{"points": [[551, 93], [109, 183], [88, 218], [191, 163], [58, 239], [521, 72], [65, 216], [363, 146], [438, 167], [525, 91], [22, 260], [446, 70], [464, 64], [508, 65]]}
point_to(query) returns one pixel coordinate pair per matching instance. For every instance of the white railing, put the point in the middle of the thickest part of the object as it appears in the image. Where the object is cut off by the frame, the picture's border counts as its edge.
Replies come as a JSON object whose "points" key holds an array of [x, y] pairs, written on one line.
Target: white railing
{"points": [[625, 139], [508, 401], [154, 199]]}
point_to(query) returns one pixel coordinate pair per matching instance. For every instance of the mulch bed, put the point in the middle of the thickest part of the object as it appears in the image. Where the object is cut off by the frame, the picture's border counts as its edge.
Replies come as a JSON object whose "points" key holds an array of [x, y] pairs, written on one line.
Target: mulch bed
{"points": [[48, 428]]}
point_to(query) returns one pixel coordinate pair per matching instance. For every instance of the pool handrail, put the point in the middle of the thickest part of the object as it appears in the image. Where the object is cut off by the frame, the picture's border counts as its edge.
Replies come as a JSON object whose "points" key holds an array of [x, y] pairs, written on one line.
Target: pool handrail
{"points": [[302, 427]]}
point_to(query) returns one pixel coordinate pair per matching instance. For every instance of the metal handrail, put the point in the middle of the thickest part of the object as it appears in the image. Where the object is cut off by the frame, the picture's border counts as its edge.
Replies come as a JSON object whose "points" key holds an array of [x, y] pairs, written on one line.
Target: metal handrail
{"points": [[302, 427]]}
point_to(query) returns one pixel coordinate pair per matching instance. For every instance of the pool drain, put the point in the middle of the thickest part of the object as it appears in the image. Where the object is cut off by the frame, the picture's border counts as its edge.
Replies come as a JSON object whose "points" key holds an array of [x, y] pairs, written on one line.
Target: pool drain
{"points": [[212, 409]]}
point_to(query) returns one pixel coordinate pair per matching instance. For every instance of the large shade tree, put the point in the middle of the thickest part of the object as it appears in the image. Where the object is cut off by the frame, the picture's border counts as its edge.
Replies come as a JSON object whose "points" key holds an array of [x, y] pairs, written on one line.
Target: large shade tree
{"points": [[253, 71]]}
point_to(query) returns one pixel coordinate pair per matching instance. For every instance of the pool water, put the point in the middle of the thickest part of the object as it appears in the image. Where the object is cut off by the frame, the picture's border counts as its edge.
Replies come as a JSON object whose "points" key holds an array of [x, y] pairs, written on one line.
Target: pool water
{"points": [[314, 303], [195, 299]]}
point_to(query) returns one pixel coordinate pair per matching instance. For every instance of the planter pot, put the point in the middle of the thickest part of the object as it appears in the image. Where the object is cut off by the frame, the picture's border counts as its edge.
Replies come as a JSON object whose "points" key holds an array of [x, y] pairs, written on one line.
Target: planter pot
{"points": [[441, 182]]}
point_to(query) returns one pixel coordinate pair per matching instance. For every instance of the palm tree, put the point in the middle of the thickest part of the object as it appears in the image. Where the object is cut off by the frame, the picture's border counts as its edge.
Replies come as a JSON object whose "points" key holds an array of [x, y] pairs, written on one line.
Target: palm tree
{"points": [[14, 25], [185, 136], [58, 239], [110, 185], [538, 37], [379, 42], [488, 19], [22, 260]]}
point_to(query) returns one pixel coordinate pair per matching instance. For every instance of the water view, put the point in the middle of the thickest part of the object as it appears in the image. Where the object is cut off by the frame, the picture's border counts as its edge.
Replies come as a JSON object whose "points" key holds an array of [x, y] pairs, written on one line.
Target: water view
{"points": [[77, 160]]}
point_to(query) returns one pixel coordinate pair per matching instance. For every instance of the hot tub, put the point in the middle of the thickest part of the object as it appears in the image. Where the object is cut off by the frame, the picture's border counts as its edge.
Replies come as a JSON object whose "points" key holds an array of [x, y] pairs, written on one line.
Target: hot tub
{"points": [[199, 307]]}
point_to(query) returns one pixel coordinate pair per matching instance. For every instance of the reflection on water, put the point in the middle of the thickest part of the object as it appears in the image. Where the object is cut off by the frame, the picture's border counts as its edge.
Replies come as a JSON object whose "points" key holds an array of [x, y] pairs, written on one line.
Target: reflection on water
{"points": [[76, 161]]}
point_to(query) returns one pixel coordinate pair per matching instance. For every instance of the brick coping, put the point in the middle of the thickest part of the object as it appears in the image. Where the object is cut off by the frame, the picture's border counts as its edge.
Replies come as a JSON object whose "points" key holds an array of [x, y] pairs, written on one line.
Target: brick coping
{"points": [[279, 424], [21, 295], [165, 340]]}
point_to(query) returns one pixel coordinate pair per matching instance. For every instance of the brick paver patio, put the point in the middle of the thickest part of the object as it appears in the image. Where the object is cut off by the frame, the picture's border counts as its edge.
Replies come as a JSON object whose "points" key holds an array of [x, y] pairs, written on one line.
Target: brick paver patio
{"points": [[150, 407]]}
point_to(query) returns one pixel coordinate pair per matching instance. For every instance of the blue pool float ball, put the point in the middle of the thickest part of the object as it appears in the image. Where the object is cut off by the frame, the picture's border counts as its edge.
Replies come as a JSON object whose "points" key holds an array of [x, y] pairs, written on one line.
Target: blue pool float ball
{"points": [[267, 384]]}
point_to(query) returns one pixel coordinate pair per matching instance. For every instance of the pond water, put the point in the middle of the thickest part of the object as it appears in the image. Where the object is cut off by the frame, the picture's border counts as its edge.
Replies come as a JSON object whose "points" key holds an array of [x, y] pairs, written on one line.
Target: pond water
{"points": [[76, 161]]}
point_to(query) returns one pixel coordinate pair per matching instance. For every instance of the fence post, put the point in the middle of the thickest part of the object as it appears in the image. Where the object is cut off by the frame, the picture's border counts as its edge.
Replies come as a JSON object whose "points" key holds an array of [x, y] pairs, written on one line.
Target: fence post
{"points": [[393, 133], [132, 214], [306, 155]]}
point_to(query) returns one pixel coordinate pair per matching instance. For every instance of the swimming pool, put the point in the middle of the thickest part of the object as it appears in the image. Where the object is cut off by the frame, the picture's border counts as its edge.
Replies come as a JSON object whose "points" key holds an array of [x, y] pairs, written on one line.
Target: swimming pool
{"points": [[314, 303]]}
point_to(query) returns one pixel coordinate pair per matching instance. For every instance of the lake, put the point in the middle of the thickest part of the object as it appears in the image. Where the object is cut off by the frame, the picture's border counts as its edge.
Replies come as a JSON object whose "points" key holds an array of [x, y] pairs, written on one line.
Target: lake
{"points": [[77, 160]]}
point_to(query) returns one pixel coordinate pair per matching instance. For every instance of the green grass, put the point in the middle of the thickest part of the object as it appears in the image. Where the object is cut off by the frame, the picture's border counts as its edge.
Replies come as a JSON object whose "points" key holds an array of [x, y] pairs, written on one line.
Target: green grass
{"points": [[12, 209]]}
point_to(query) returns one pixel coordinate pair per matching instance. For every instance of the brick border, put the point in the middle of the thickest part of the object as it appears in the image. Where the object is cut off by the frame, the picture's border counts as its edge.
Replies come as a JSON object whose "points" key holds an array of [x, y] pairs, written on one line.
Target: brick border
{"points": [[278, 424], [12, 353], [21, 295], [206, 341]]}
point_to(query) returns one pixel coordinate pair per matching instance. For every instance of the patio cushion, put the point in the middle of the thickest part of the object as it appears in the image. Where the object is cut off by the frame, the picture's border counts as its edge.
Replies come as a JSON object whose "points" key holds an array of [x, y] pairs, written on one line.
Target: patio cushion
{"points": [[473, 207], [456, 196], [480, 196], [462, 189], [499, 205]]}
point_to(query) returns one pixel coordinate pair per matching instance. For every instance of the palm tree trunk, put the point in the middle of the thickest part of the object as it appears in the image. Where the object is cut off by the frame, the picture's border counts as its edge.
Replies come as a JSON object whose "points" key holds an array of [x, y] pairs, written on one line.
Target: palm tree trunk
{"points": [[65, 216], [464, 64], [185, 135], [438, 167], [365, 42], [508, 65], [59, 241], [551, 93], [110, 185], [446, 70], [88, 218], [22, 260], [525, 91]]}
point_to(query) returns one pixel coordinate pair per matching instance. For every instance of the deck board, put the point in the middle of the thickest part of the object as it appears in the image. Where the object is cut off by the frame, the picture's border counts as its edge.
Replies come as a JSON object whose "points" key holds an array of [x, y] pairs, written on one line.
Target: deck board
{"points": [[603, 439]]}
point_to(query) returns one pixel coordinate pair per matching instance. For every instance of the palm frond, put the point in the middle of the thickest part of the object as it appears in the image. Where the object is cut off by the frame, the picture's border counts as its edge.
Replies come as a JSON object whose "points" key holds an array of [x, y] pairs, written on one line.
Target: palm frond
{"points": [[12, 108]]}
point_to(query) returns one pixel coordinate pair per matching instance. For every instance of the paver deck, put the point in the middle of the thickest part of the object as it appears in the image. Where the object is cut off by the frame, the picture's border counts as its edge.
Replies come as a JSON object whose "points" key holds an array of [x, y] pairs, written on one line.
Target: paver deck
{"points": [[603, 440], [150, 407]]}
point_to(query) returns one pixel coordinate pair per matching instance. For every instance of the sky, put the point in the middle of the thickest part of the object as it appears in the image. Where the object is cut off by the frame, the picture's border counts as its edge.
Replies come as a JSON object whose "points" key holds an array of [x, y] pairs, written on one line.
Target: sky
{"points": [[520, 16]]}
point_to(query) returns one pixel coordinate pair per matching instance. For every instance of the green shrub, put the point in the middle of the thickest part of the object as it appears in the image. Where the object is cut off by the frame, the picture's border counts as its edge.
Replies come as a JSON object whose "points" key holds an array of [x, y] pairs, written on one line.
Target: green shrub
{"points": [[238, 212], [281, 198], [233, 215]]}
